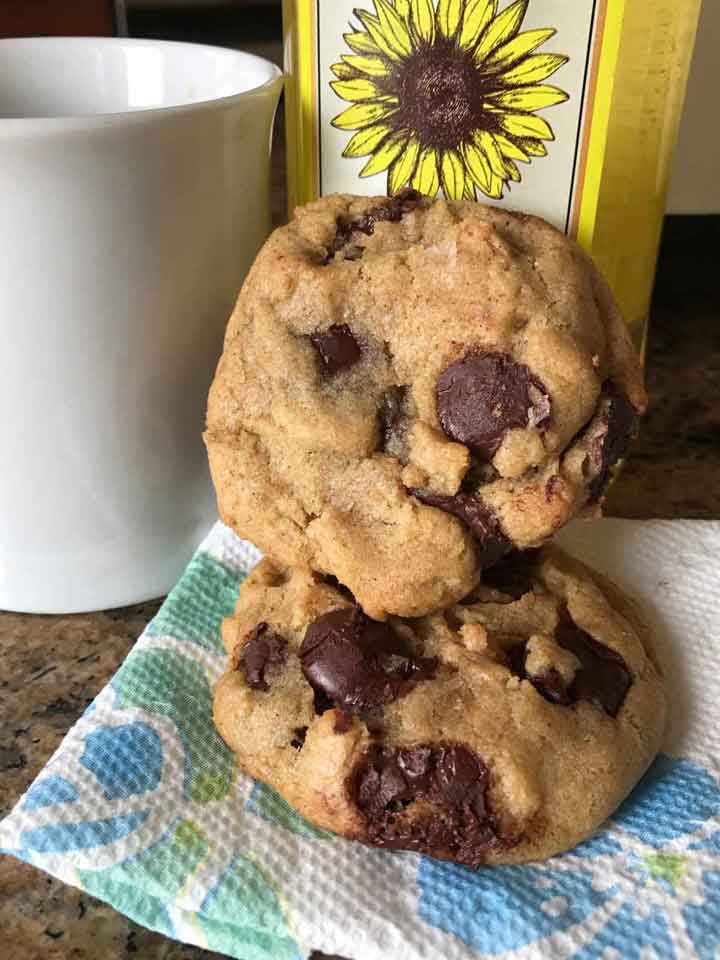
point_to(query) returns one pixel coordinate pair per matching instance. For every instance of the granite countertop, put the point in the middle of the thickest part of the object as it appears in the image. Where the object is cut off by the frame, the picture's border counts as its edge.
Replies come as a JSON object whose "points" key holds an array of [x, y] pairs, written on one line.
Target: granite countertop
{"points": [[53, 666]]}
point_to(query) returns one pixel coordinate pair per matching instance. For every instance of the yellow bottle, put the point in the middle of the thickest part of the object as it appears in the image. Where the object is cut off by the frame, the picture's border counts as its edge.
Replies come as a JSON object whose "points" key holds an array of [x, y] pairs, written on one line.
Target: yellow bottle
{"points": [[564, 108]]}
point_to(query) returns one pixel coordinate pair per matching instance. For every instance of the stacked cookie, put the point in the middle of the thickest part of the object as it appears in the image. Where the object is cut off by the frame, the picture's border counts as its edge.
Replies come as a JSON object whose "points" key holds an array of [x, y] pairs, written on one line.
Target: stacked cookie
{"points": [[413, 398]]}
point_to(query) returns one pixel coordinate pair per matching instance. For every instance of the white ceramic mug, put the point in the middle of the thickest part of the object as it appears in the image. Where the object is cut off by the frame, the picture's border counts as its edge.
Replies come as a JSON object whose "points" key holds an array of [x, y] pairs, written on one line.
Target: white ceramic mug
{"points": [[134, 194]]}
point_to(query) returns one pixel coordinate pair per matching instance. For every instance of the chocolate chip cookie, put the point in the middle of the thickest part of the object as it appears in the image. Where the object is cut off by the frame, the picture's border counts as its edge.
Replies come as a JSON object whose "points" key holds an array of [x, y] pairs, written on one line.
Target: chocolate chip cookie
{"points": [[504, 729], [410, 389]]}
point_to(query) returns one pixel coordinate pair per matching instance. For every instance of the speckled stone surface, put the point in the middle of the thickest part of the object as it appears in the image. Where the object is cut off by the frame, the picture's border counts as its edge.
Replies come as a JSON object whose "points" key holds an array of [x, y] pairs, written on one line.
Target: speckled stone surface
{"points": [[674, 467], [52, 667]]}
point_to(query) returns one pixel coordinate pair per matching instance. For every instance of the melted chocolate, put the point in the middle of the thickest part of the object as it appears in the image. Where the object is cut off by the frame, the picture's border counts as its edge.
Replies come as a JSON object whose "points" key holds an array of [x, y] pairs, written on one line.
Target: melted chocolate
{"points": [[484, 395], [358, 664], [264, 649], [448, 777]]}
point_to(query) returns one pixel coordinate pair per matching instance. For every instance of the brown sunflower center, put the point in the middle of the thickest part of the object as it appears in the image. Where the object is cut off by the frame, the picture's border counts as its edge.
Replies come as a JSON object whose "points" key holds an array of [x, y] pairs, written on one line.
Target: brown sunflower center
{"points": [[441, 94]]}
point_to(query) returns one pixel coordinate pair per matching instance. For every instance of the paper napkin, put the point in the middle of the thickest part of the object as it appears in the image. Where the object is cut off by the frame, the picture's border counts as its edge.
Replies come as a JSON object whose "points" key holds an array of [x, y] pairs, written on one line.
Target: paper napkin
{"points": [[142, 806]]}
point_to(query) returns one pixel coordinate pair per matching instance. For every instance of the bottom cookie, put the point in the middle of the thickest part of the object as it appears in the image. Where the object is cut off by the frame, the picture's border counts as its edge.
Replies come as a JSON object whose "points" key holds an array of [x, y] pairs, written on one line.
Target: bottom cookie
{"points": [[501, 730]]}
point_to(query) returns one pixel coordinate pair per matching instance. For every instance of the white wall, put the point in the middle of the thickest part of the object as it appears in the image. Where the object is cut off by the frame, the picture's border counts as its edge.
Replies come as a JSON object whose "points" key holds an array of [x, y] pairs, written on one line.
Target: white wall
{"points": [[695, 184]]}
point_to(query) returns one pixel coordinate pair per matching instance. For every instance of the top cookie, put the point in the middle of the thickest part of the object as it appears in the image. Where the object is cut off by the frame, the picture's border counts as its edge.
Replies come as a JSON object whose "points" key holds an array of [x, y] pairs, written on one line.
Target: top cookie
{"points": [[410, 389]]}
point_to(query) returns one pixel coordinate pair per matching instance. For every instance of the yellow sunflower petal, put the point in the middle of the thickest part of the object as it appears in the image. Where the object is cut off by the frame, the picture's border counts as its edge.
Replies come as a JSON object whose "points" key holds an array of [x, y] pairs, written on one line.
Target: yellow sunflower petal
{"points": [[373, 66], [385, 155], [365, 141], [452, 175], [478, 14], [393, 27], [533, 69], [361, 115], [342, 71], [404, 167], [486, 142], [520, 46], [384, 43], [477, 166], [402, 7], [512, 171], [358, 89], [361, 42], [526, 125], [449, 14], [469, 191], [535, 148], [425, 179], [510, 149], [502, 29], [534, 97], [496, 187], [422, 19]]}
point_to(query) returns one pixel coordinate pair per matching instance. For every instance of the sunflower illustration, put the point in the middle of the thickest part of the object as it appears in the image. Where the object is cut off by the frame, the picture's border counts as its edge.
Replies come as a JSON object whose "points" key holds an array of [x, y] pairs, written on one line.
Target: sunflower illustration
{"points": [[445, 94]]}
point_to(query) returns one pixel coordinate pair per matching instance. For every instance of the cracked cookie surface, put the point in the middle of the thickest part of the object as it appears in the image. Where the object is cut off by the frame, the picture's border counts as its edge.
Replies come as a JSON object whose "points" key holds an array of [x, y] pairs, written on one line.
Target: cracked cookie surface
{"points": [[409, 390], [503, 729]]}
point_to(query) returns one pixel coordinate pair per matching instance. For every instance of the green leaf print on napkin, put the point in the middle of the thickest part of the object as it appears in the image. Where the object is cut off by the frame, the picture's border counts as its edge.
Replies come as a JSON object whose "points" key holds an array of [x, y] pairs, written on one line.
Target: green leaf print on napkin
{"points": [[169, 684], [241, 916], [195, 608], [141, 885]]}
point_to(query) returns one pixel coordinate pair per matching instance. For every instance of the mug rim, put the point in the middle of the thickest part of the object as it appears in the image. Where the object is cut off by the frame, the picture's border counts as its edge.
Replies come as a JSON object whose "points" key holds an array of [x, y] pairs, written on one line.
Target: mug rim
{"points": [[140, 114]]}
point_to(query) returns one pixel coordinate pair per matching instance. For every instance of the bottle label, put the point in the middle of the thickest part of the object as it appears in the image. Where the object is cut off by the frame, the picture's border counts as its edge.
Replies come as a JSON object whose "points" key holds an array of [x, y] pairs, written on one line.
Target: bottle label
{"points": [[504, 102]]}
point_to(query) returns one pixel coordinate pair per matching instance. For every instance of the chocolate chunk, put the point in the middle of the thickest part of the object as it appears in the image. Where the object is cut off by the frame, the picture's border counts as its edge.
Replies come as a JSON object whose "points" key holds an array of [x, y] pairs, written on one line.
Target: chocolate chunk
{"points": [[603, 677], [393, 422], [452, 620], [512, 575], [357, 663], [337, 348], [343, 722], [321, 702], [333, 582], [346, 227], [461, 779], [298, 741], [483, 395], [264, 649], [393, 209], [404, 201], [478, 475], [491, 542], [515, 656], [612, 441], [551, 685], [448, 777]]}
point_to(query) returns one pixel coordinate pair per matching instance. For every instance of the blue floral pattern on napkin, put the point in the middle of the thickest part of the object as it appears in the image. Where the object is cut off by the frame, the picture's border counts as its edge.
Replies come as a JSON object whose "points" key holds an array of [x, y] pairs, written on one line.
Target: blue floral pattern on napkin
{"points": [[620, 892]]}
